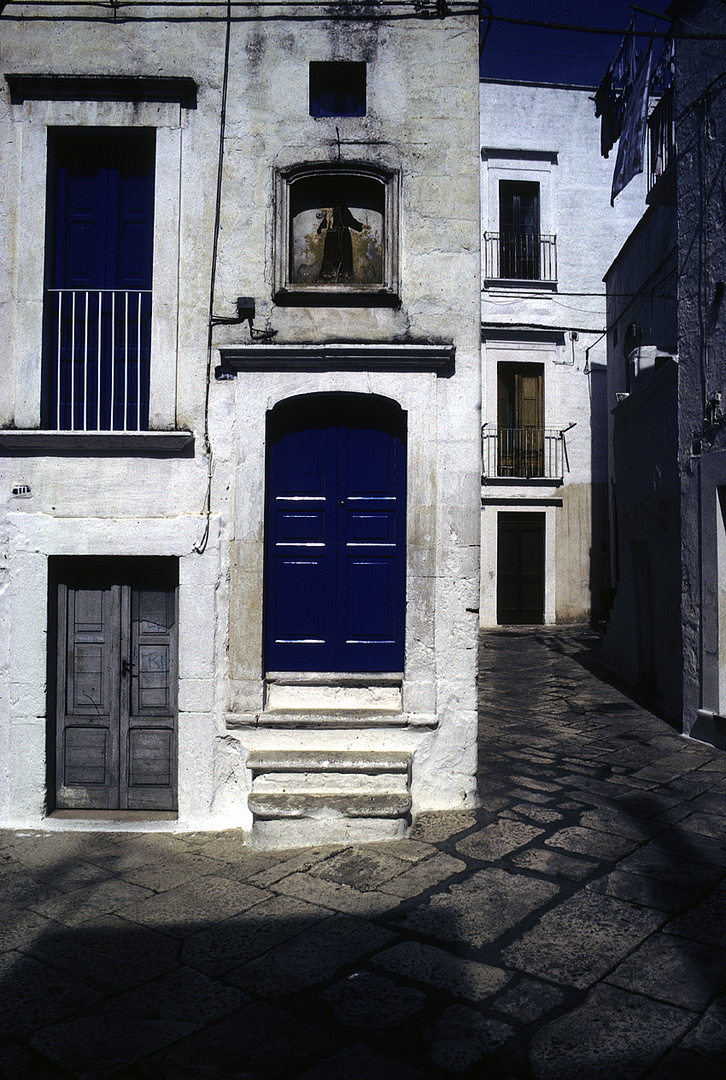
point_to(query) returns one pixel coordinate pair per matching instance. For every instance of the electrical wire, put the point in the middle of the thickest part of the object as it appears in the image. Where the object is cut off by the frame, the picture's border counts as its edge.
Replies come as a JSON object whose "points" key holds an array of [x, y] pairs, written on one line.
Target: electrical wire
{"points": [[201, 546]]}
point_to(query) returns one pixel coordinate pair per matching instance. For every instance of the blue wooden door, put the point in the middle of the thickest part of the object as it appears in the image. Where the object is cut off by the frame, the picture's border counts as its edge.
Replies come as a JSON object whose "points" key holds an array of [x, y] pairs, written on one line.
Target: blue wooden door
{"points": [[336, 528], [99, 280]]}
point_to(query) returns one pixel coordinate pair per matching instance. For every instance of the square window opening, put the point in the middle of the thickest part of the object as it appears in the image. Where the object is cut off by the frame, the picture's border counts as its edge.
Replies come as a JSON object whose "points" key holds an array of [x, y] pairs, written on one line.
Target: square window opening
{"points": [[337, 88]]}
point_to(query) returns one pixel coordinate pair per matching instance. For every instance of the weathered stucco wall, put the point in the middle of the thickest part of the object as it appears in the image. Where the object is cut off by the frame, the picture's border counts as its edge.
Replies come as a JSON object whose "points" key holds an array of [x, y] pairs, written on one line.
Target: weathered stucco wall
{"points": [[701, 112], [642, 641]]}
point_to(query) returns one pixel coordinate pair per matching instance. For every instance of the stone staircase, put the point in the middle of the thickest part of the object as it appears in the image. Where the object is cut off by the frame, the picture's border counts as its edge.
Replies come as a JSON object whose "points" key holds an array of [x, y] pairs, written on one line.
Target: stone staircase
{"points": [[299, 797]]}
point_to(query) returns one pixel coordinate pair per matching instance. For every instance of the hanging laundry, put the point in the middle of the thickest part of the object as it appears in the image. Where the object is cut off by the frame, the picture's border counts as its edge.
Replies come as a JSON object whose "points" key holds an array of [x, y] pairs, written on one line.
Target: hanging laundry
{"points": [[632, 138], [604, 106], [612, 94], [664, 70]]}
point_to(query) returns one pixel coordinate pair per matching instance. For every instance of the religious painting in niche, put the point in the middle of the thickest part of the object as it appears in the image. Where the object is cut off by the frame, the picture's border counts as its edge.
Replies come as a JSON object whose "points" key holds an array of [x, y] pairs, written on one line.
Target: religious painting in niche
{"points": [[337, 230]]}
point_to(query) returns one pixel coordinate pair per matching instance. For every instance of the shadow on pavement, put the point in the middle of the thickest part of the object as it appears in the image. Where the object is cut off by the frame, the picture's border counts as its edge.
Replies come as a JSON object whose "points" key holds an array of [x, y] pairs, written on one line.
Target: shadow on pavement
{"points": [[571, 928]]}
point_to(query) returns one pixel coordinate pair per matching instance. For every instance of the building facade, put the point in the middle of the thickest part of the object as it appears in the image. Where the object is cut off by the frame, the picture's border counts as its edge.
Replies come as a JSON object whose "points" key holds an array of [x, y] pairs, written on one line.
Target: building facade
{"points": [[668, 377], [549, 233], [239, 419]]}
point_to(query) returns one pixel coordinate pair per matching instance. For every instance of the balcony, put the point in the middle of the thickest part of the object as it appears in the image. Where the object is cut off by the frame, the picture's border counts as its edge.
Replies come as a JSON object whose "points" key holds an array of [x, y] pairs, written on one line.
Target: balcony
{"points": [[520, 256], [522, 453], [97, 360]]}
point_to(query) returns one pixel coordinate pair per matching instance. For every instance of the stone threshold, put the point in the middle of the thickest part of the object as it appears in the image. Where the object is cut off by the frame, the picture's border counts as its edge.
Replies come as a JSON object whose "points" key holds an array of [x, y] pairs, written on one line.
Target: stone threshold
{"points": [[110, 820], [329, 692]]}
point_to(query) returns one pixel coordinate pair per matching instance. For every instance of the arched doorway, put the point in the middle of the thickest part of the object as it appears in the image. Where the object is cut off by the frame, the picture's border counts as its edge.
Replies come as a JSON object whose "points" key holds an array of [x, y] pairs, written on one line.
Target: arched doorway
{"points": [[335, 534]]}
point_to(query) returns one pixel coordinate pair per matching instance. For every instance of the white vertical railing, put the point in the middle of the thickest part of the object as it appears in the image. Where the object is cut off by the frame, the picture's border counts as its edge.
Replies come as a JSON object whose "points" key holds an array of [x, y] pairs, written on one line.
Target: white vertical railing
{"points": [[520, 256], [95, 331]]}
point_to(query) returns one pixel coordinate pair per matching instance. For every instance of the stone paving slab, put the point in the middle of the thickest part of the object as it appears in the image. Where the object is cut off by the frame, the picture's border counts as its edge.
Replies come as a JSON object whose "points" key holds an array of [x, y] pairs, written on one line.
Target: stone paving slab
{"points": [[138, 1023], [430, 966], [260, 1042], [571, 927], [107, 953], [480, 909], [580, 940], [612, 1034], [368, 1001]]}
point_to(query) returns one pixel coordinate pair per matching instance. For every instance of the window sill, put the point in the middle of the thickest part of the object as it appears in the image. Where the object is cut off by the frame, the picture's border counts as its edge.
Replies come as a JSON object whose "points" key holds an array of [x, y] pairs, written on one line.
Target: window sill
{"points": [[337, 296], [522, 481], [97, 443], [528, 284]]}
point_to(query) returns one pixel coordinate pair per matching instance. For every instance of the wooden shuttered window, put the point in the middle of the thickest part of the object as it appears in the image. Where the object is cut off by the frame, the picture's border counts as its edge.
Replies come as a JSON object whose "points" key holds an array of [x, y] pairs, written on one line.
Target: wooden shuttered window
{"points": [[520, 419]]}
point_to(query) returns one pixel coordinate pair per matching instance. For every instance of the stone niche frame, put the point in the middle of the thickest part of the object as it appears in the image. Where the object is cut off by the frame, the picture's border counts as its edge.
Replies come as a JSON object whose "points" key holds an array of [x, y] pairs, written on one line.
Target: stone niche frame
{"points": [[345, 253]]}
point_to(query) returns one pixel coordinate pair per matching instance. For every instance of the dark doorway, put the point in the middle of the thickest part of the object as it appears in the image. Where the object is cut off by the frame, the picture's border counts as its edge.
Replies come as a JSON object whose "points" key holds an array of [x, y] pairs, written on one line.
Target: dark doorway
{"points": [[336, 535], [519, 229], [520, 569], [114, 629]]}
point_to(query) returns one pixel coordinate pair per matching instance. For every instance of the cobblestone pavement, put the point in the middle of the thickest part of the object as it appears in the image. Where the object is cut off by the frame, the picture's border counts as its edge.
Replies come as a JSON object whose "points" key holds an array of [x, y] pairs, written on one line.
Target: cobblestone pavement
{"points": [[572, 927]]}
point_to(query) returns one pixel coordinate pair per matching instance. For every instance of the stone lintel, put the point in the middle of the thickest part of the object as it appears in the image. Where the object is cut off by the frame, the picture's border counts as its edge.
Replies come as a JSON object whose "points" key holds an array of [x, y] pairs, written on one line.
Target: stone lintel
{"points": [[164, 88], [338, 357]]}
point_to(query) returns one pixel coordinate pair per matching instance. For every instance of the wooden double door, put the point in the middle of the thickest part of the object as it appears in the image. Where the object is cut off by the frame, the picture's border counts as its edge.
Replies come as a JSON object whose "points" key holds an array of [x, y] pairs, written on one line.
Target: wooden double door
{"points": [[115, 729]]}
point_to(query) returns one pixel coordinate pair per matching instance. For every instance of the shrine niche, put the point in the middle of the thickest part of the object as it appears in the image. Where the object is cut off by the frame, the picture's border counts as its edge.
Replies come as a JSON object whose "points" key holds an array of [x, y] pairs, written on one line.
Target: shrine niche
{"points": [[336, 231]]}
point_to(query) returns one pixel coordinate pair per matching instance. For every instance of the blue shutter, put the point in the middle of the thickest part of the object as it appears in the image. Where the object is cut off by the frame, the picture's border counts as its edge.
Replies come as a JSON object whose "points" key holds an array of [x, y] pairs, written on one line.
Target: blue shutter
{"points": [[100, 255]]}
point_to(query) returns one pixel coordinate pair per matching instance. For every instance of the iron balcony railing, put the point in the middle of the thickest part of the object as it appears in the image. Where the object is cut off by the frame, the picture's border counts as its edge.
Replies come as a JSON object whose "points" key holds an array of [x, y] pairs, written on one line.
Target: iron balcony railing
{"points": [[523, 453], [661, 138], [97, 359], [520, 256]]}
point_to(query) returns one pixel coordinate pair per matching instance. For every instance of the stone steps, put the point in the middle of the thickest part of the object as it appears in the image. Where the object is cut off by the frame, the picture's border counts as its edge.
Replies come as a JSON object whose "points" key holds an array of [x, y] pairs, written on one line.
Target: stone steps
{"points": [[300, 796]]}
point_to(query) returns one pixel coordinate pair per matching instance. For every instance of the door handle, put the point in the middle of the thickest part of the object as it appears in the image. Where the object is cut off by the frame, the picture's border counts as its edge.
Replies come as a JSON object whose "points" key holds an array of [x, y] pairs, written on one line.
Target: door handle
{"points": [[127, 668]]}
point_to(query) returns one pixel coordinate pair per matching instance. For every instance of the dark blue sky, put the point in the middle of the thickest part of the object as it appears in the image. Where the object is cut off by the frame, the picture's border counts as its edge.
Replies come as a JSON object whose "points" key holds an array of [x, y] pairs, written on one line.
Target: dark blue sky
{"points": [[540, 55]]}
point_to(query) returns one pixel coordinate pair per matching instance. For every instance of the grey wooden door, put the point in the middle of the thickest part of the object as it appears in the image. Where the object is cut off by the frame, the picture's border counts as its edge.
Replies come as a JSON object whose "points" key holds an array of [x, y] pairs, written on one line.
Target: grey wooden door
{"points": [[116, 686]]}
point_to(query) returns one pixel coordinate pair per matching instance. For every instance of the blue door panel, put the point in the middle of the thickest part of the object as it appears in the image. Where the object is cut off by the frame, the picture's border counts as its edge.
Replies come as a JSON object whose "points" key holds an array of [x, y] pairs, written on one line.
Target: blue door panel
{"points": [[369, 463], [364, 622], [374, 527], [301, 601], [299, 615], [300, 464], [301, 528], [336, 497]]}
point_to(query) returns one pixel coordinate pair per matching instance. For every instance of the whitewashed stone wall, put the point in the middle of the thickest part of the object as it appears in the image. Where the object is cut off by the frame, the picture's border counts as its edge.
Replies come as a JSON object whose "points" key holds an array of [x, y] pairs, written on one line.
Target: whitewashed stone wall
{"points": [[549, 135], [420, 124]]}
